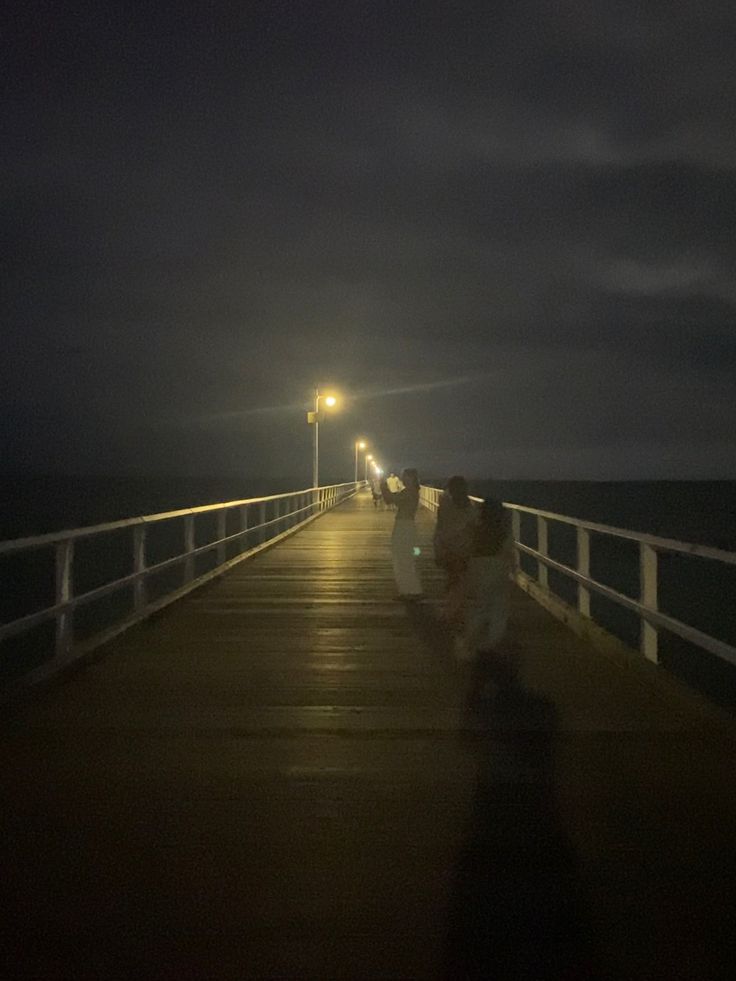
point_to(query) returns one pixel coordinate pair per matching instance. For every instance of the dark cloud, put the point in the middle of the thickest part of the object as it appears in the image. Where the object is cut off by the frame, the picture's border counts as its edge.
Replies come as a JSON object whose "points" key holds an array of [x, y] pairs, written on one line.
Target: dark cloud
{"points": [[515, 220]]}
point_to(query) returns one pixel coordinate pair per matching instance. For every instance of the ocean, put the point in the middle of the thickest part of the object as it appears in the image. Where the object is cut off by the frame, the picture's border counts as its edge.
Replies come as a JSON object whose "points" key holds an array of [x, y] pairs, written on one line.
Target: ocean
{"points": [[699, 592]]}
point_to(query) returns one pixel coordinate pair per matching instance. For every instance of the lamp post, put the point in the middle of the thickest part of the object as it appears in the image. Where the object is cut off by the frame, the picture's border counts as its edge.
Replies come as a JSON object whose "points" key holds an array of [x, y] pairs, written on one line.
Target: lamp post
{"points": [[369, 457], [360, 444], [313, 419]]}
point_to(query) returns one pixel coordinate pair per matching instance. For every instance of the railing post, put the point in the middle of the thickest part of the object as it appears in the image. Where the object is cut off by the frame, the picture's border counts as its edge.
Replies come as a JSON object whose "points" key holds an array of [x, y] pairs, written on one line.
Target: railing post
{"points": [[262, 522], [243, 540], [543, 549], [64, 592], [648, 597], [516, 535], [221, 533], [139, 566], [583, 568], [277, 515], [189, 547]]}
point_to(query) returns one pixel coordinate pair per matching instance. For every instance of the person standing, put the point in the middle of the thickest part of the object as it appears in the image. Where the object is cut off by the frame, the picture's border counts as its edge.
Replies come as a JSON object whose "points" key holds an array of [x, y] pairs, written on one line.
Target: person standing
{"points": [[453, 541], [394, 485], [376, 491], [487, 589], [403, 537]]}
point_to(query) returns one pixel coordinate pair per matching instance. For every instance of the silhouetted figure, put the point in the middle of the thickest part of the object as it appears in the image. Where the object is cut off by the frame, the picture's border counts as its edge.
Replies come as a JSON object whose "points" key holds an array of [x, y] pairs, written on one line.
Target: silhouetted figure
{"points": [[453, 542], [403, 538], [517, 907]]}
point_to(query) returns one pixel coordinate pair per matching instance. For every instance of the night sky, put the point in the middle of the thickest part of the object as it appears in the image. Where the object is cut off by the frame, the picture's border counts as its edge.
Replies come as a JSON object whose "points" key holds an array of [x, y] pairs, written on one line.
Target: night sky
{"points": [[504, 230]]}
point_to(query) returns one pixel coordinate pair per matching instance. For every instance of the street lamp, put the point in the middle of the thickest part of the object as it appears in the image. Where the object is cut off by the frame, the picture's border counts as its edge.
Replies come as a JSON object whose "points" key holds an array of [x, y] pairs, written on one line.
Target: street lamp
{"points": [[313, 419], [360, 444], [369, 457]]}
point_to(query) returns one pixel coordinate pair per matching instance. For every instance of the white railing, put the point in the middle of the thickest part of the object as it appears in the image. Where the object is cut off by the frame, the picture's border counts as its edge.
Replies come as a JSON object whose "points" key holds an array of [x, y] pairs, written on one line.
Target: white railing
{"points": [[261, 521], [651, 618]]}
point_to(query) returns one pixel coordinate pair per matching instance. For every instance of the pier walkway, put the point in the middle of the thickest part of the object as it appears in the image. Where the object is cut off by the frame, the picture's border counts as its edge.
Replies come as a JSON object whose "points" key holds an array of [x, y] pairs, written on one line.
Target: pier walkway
{"points": [[277, 777]]}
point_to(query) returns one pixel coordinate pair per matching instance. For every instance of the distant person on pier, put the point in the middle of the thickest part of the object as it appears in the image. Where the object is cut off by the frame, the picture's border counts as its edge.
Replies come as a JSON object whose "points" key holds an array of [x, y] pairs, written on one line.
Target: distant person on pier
{"points": [[394, 485], [453, 543], [376, 491], [403, 539], [487, 593]]}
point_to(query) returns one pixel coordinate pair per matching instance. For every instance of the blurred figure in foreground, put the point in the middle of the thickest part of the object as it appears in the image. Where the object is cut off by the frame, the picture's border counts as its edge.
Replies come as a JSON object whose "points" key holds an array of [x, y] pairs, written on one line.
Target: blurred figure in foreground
{"points": [[518, 905], [403, 539], [453, 544], [487, 587]]}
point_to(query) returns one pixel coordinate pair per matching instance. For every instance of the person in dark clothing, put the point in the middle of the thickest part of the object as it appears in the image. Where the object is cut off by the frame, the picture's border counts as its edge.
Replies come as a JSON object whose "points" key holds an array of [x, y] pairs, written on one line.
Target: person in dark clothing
{"points": [[453, 539]]}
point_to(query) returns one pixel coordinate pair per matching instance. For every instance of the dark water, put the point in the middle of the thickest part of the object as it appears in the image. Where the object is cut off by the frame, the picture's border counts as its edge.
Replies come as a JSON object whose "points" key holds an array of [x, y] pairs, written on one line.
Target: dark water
{"points": [[701, 593], [35, 505]]}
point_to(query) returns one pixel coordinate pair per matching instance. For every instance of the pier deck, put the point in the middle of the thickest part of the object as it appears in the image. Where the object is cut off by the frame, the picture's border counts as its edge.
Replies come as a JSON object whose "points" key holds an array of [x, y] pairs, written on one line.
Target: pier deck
{"points": [[277, 777]]}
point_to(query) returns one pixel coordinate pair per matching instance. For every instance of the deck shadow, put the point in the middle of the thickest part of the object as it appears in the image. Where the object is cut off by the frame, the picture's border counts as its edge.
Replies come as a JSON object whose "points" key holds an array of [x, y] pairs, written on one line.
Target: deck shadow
{"points": [[517, 907], [434, 633]]}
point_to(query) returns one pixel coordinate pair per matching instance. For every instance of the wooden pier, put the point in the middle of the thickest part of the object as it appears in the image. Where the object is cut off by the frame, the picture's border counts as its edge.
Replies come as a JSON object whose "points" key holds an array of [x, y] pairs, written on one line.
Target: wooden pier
{"points": [[279, 777]]}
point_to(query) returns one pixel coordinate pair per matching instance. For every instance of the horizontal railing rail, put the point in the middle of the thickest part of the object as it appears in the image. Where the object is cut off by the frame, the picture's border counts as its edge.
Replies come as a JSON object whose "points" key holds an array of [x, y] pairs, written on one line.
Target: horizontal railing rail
{"points": [[262, 522], [651, 618]]}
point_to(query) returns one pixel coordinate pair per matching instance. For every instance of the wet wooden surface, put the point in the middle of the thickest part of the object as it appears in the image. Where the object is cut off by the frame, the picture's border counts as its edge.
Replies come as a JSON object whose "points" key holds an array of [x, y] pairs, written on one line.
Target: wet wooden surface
{"points": [[278, 777]]}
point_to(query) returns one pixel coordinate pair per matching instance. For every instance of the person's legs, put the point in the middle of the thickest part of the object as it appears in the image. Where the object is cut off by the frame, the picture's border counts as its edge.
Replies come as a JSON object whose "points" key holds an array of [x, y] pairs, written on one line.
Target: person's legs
{"points": [[454, 607], [403, 559]]}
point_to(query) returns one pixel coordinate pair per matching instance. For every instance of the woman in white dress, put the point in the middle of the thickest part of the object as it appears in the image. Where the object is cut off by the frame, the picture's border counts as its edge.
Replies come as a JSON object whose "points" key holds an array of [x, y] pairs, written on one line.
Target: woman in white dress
{"points": [[403, 537]]}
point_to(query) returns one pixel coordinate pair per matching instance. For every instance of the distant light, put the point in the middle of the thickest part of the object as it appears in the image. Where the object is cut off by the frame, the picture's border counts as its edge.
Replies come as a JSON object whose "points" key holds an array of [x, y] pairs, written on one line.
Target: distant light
{"points": [[416, 550], [361, 445], [379, 472], [369, 457]]}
